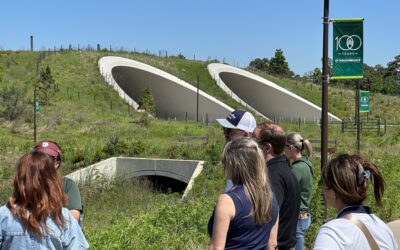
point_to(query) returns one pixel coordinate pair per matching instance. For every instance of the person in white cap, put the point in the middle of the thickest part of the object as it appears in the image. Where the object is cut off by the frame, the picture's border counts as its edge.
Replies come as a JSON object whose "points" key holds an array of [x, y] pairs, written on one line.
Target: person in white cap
{"points": [[238, 124]]}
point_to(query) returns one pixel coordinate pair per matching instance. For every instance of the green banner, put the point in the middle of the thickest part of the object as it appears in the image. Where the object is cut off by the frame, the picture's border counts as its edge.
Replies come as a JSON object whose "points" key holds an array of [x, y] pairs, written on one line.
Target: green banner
{"points": [[348, 47], [364, 101]]}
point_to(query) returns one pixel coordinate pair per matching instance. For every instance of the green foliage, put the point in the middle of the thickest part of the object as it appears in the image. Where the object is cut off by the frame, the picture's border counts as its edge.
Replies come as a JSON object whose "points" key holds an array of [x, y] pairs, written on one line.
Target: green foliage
{"points": [[276, 65], [144, 119], [82, 121], [136, 148], [260, 64], [180, 56], [378, 79], [146, 101], [115, 146], [317, 76], [214, 153], [46, 85], [13, 102], [142, 217]]}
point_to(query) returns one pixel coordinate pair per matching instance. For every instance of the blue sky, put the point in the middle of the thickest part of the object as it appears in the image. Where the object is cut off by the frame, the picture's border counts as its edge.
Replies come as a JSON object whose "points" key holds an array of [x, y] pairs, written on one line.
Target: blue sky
{"points": [[234, 31]]}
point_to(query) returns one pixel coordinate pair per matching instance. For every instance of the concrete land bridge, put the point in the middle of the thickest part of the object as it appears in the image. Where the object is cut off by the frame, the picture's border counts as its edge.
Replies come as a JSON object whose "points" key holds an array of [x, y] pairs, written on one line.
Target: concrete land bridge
{"points": [[175, 98]]}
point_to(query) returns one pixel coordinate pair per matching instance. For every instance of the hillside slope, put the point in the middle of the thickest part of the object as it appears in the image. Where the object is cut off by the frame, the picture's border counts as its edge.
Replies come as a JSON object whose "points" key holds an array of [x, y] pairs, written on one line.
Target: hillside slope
{"points": [[91, 123]]}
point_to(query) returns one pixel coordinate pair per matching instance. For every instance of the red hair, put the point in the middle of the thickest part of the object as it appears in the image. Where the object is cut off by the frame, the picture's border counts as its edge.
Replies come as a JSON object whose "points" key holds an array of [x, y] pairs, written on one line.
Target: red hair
{"points": [[37, 192]]}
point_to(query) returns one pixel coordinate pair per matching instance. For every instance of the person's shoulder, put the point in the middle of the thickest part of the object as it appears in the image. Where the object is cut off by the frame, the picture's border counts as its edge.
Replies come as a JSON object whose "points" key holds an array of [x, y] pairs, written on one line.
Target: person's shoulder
{"points": [[303, 161], [65, 212], [67, 180], [274, 200], [4, 210], [337, 225], [225, 199], [67, 215], [69, 183], [300, 166]]}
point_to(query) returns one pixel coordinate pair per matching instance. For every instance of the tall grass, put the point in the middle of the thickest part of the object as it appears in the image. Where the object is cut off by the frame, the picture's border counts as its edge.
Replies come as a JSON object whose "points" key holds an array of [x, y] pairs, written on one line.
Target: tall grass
{"points": [[92, 123]]}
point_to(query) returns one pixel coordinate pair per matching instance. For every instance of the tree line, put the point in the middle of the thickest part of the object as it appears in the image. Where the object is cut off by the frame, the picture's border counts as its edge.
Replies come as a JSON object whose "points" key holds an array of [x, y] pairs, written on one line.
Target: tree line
{"points": [[275, 65], [378, 79]]}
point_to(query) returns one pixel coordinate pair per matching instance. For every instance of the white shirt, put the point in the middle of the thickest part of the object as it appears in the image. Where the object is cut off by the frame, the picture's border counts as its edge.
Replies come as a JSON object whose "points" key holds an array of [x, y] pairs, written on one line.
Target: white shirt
{"points": [[343, 234]]}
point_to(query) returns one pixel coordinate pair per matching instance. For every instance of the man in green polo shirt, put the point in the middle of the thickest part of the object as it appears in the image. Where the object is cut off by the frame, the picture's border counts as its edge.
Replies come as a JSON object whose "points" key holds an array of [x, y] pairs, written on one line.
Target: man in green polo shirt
{"points": [[74, 203]]}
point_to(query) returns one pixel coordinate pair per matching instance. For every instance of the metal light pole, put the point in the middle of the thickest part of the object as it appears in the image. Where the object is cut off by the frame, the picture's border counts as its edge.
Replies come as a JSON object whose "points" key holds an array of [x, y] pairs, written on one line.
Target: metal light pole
{"points": [[325, 81], [358, 120]]}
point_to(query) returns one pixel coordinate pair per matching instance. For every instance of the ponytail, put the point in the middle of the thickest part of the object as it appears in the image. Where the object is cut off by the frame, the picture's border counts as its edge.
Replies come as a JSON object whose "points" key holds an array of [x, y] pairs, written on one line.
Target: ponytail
{"points": [[371, 170], [302, 145]]}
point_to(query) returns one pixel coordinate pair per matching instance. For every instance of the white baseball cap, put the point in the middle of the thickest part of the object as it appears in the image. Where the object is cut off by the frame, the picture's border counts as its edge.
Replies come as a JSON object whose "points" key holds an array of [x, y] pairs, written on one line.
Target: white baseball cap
{"points": [[239, 119]]}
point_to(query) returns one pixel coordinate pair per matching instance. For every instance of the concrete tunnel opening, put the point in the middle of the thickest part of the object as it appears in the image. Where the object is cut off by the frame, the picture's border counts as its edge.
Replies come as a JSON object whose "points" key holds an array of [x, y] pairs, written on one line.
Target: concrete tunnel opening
{"points": [[129, 78], [165, 185], [164, 175]]}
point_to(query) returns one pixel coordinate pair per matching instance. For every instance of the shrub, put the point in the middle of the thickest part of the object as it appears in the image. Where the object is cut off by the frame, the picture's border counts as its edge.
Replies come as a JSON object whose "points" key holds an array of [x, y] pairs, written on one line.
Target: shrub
{"points": [[136, 148], [115, 146], [13, 102], [146, 101]]}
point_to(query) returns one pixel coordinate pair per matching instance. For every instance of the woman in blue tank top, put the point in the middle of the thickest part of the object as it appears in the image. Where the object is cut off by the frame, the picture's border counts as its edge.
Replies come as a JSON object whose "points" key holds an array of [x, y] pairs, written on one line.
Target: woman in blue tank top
{"points": [[246, 217]]}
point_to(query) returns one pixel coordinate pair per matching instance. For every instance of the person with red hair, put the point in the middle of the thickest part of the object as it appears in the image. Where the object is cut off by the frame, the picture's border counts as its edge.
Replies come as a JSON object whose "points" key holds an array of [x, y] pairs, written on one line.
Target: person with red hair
{"points": [[34, 216], [74, 203]]}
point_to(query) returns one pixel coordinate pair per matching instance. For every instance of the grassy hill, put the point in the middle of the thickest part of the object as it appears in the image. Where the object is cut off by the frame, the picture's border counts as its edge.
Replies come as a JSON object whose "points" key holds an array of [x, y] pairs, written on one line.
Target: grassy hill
{"points": [[91, 123]]}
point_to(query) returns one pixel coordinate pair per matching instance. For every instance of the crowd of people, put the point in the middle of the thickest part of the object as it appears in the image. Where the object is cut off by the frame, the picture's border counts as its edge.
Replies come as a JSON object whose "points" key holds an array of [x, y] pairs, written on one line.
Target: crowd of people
{"points": [[285, 186], [266, 203]]}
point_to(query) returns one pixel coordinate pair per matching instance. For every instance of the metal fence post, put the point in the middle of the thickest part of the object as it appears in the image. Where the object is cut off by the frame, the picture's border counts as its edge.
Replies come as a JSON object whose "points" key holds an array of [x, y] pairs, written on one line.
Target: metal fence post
{"points": [[343, 125], [385, 126], [379, 126]]}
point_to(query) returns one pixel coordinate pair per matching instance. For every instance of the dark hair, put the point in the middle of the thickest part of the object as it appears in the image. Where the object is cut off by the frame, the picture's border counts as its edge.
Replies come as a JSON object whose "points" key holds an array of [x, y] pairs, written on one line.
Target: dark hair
{"points": [[272, 134], [37, 190], [349, 177]]}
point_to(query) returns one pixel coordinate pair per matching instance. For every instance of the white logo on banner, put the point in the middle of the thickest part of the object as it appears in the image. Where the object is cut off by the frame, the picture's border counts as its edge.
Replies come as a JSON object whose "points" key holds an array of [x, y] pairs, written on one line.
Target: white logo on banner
{"points": [[350, 42]]}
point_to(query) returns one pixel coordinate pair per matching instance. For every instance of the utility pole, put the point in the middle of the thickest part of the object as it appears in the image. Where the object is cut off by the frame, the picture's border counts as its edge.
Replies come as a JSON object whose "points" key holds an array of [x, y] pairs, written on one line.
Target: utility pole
{"points": [[31, 43], [358, 120], [325, 81]]}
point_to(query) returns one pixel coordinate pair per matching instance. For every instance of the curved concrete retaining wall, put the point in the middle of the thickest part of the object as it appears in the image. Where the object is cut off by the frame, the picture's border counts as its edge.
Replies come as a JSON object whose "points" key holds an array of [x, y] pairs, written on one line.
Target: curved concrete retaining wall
{"points": [[173, 97], [264, 96], [126, 167]]}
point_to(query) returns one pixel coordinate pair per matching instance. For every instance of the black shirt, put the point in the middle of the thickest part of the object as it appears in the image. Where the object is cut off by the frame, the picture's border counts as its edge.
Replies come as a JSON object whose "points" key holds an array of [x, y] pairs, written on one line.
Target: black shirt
{"points": [[287, 191]]}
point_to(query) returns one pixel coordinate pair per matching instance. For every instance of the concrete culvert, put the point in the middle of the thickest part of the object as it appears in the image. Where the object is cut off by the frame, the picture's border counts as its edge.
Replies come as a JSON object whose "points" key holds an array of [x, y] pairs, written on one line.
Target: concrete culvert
{"points": [[166, 174]]}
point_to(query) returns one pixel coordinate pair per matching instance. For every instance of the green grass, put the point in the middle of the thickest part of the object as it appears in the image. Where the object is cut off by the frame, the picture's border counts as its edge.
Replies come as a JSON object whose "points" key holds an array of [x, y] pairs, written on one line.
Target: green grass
{"points": [[91, 123]]}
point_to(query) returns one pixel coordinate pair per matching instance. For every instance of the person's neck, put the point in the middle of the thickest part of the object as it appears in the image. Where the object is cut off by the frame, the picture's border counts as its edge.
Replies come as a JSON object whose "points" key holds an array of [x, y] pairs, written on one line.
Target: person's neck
{"points": [[271, 156], [297, 156], [340, 205]]}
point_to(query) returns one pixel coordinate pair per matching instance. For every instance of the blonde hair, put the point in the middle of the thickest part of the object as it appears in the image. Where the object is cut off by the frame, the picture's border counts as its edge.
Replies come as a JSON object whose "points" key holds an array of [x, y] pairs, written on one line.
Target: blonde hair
{"points": [[244, 163], [302, 145]]}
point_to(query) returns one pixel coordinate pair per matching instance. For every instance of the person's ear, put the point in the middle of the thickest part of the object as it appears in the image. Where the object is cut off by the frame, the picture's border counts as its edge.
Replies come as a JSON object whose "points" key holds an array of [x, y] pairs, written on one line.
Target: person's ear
{"points": [[246, 134], [267, 148]]}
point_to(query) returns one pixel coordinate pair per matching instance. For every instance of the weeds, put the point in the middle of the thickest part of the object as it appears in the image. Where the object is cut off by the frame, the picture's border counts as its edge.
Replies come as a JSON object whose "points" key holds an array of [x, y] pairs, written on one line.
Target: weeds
{"points": [[92, 123]]}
